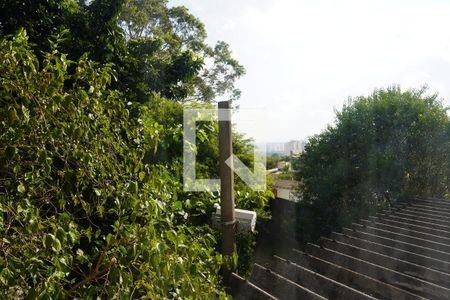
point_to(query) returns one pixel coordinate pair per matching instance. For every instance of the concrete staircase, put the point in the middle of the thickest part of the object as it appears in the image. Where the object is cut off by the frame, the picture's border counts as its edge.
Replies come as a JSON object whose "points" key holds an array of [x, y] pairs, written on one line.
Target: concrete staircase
{"points": [[400, 253]]}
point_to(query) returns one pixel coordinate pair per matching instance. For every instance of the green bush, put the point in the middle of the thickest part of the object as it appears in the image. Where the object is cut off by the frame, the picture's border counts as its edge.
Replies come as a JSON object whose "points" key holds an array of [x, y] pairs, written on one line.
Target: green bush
{"points": [[81, 214], [91, 197], [166, 117], [392, 144]]}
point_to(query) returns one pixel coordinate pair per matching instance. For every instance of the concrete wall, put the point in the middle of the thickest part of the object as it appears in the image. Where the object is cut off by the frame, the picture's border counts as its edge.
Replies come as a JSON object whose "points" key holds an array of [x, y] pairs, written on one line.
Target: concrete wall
{"points": [[286, 194]]}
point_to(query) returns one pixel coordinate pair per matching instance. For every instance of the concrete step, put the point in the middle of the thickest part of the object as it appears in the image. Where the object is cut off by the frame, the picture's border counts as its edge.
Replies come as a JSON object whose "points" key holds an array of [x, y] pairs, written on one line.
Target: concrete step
{"points": [[407, 230], [434, 207], [425, 228], [403, 237], [242, 289], [400, 253], [418, 217], [319, 284], [361, 282], [278, 286], [412, 257], [395, 243], [426, 213], [412, 221], [414, 285], [435, 202], [393, 263], [438, 204]]}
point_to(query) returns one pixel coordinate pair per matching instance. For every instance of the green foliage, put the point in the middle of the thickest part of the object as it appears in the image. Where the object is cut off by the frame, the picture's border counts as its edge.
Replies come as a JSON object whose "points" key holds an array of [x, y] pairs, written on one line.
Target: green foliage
{"points": [[41, 19], [149, 69], [272, 160], [167, 117], [91, 27], [245, 243], [82, 214], [285, 176], [91, 197], [164, 54], [388, 145], [176, 32]]}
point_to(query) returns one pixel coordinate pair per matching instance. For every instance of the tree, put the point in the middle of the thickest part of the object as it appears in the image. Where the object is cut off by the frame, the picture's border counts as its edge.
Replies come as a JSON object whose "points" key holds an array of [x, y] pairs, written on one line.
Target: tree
{"points": [[91, 196], [165, 52], [91, 27], [167, 118], [143, 67], [179, 31], [392, 144], [81, 213]]}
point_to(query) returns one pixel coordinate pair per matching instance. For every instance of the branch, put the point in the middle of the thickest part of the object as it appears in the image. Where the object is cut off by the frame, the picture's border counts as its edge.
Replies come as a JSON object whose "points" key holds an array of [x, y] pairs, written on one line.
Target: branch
{"points": [[96, 273]]}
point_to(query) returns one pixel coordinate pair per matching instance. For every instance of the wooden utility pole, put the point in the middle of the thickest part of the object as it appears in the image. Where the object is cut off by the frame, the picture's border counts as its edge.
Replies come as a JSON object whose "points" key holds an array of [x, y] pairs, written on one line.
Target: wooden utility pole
{"points": [[226, 190]]}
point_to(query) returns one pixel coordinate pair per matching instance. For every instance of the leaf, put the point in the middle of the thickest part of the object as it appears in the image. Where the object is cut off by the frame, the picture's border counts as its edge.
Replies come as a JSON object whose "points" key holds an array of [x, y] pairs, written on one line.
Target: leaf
{"points": [[141, 176], [26, 114], [123, 250], [161, 248], [73, 236], [12, 115], [89, 233], [21, 188], [108, 238], [178, 272], [98, 192], [48, 241], [56, 245], [61, 234], [100, 210], [178, 205], [10, 151], [114, 275], [132, 187]]}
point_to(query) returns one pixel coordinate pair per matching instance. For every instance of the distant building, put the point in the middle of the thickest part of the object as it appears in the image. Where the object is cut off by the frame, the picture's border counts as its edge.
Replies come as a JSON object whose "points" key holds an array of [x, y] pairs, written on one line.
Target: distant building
{"points": [[281, 165], [275, 148], [293, 147], [286, 189]]}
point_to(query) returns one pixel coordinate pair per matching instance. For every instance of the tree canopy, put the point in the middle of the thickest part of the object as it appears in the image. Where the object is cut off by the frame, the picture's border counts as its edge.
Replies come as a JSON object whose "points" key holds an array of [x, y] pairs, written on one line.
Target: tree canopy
{"points": [[389, 145], [81, 213], [155, 48], [91, 197], [178, 30]]}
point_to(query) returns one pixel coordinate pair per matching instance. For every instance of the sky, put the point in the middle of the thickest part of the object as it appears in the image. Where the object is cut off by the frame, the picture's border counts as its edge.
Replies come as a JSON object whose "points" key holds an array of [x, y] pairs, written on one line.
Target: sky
{"points": [[304, 58]]}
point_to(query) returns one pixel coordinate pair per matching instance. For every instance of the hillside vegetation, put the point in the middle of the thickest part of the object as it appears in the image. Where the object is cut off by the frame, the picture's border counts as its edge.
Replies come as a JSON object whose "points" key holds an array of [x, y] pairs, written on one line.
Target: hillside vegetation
{"points": [[390, 145], [91, 198]]}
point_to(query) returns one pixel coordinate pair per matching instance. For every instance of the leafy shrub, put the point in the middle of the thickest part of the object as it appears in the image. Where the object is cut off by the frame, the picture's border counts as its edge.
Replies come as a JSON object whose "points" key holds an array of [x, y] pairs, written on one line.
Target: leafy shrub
{"points": [[388, 145], [166, 117], [245, 243], [81, 214]]}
